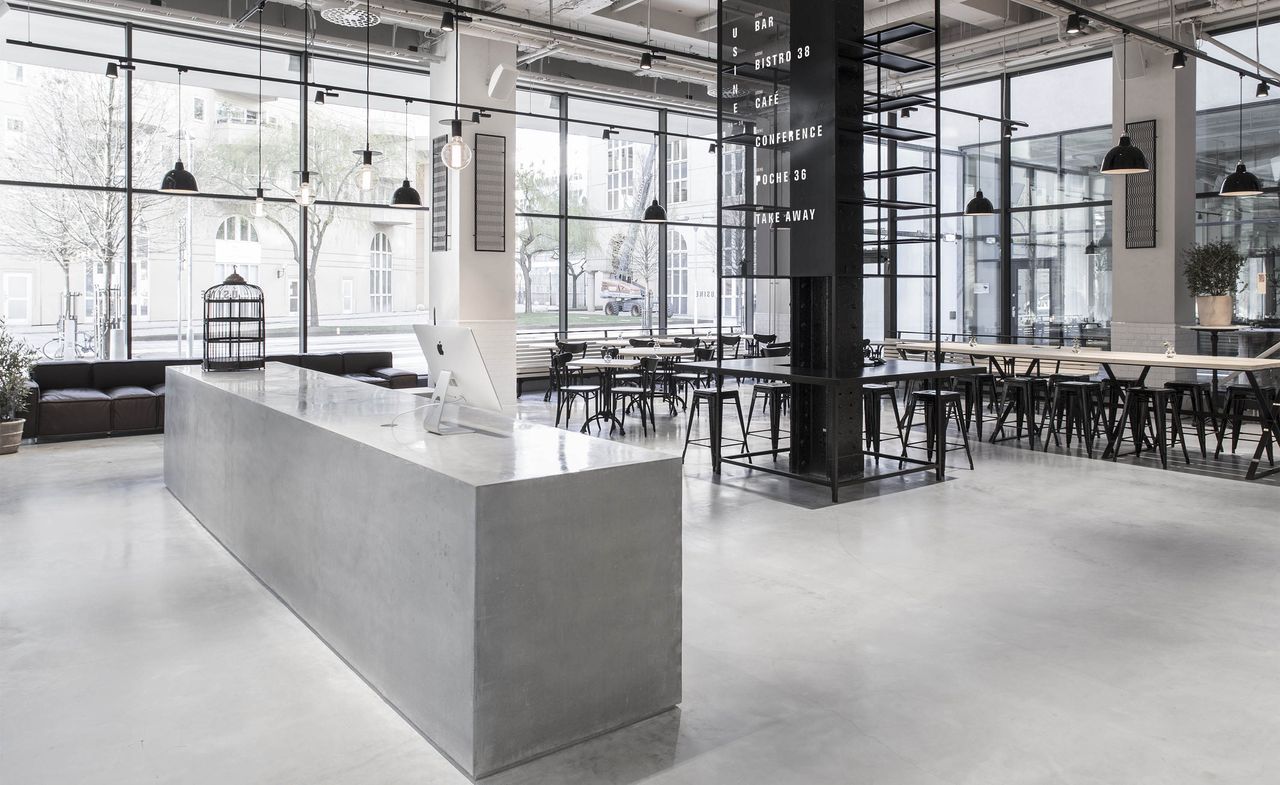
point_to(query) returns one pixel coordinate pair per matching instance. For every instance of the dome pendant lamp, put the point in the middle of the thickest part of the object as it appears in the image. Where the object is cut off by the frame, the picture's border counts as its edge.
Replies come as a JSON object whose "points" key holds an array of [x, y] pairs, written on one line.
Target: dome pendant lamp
{"points": [[456, 154], [178, 180], [1125, 158], [979, 204], [406, 196], [1241, 182]]}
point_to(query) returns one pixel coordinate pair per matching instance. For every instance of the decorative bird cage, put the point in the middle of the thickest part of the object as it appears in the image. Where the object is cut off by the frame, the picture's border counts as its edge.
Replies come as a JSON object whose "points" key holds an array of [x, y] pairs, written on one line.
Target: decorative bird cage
{"points": [[234, 326]]}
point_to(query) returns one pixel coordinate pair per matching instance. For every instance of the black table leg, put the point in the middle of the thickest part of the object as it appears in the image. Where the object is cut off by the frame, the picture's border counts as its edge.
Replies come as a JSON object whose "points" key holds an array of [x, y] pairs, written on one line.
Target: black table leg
{"points": [[1268, 420]]}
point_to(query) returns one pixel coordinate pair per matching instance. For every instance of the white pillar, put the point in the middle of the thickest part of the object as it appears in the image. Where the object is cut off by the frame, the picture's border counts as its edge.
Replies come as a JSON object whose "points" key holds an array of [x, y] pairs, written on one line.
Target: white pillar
{"points": [[1150, 296], [473, 288]]}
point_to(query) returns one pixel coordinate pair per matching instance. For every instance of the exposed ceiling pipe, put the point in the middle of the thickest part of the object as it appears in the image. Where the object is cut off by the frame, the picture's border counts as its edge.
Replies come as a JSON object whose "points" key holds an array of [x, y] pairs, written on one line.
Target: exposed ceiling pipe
{"points": [[1240, 55]]}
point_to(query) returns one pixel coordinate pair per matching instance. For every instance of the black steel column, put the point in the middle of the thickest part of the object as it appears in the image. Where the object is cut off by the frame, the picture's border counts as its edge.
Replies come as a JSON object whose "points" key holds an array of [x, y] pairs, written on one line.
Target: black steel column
{"points": [[128, 199], [563, 221], [1004, 298], [826, 244], [304, 130]]}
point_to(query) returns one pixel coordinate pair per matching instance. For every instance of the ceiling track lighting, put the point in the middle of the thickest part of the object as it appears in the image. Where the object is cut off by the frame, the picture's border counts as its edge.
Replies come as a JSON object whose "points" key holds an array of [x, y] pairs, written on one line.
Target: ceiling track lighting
{"points": [[979, 204], [1179, 61], [324, 93], [906, 111], [1124, 158], [608, 133], [114, 69], [647, 60], [1241, 182], [1263, 90], [456, 154], [406, 196], [451, 19], [178, 180], [1077, 24]]}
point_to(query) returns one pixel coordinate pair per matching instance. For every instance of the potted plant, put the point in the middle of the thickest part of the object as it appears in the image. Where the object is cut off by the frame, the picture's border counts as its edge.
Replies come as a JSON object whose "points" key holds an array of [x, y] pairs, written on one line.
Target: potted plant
{"points": [[1213, 277], [16, 359]]}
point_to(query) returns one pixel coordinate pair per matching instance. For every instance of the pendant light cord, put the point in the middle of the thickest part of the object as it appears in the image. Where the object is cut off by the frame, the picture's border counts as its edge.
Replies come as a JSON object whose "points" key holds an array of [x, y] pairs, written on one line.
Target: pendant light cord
{"points": [[261, 11], [406, 137], [457, 62], [1241, 105], [180, 70], [1124, 86], [368, 17]]}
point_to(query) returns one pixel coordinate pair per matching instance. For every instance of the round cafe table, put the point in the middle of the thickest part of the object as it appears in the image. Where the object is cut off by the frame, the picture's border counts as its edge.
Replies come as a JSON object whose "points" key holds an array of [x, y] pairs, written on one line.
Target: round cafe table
{"points": [[604, 407]]}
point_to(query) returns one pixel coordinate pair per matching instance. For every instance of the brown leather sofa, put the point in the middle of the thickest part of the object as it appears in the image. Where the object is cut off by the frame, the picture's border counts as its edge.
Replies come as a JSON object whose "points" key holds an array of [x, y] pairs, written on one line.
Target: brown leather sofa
{"points": [[81, 398]]}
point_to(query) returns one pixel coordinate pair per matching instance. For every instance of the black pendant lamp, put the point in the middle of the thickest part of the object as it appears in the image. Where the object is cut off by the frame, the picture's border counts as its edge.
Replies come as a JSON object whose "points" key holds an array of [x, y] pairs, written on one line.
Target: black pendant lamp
{"points": [[406, 196], [979, 204], [655, 213], [1241, 182], [178, 180], [1125, 158]]}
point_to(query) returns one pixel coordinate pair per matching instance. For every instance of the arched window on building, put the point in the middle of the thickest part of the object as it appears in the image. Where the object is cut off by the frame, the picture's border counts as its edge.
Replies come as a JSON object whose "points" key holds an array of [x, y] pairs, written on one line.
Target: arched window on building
{"points": [[380, 274], [239, 229], [235, 248]]}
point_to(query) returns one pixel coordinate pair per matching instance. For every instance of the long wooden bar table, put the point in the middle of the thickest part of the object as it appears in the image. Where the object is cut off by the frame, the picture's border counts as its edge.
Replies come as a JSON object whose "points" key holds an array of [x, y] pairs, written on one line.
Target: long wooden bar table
{"points": [[1249, 366], [780, 369]]}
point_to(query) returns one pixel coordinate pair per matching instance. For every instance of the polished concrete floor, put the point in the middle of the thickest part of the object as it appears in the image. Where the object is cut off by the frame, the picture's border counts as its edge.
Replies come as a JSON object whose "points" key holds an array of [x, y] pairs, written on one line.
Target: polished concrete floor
{"points": [[1044, 619]]}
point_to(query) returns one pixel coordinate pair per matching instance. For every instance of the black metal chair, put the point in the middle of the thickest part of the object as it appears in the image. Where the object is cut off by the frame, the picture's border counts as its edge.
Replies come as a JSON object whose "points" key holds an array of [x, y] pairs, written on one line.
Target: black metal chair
{"points": [[758, 342], [568, 389], [642, 343], [731, 344], [639, 393]]}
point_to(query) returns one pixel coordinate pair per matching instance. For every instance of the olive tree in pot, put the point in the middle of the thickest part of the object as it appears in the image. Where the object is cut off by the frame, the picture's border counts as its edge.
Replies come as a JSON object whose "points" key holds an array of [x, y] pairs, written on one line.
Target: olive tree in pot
{"points": [[1212, 271], [16, 359]]}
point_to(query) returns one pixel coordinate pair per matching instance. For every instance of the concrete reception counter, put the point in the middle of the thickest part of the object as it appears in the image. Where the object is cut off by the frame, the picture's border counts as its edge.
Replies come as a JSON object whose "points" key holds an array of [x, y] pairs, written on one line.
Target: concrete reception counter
{"points": [[510, 591]]}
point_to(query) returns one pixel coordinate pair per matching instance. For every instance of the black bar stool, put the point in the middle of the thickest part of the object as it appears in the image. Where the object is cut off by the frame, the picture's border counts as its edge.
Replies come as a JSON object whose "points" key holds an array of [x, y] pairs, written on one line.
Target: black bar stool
{"points": [[1148, 408], [713, 397], [1077, 407], [927, 400], [1019, 400], [1240, 399], [776, 396], [872, 432], [1203, 409], [976, 389]]}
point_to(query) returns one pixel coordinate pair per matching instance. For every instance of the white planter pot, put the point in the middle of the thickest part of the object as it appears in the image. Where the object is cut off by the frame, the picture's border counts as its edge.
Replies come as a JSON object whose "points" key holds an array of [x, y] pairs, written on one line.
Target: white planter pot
{"points": [[10, 436], [1215, 311]]}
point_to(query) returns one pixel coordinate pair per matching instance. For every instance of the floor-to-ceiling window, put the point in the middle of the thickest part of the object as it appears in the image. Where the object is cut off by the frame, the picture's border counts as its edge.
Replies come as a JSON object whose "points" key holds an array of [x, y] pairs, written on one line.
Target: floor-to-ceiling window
{"points": [[1233, 124], [586, 170], [88, 238], [1061, 238]]}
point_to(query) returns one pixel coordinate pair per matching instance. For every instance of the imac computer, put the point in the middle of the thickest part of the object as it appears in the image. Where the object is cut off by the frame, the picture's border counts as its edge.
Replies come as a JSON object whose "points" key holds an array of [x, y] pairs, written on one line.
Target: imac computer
{"points": [[458, 373]]}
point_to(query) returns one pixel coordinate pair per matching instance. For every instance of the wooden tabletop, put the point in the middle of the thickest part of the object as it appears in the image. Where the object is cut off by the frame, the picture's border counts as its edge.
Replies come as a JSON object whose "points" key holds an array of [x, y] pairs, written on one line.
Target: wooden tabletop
{"points": [[780, 369], [656, 351], [605, 363], [1100, 356], [1227, 328]]}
